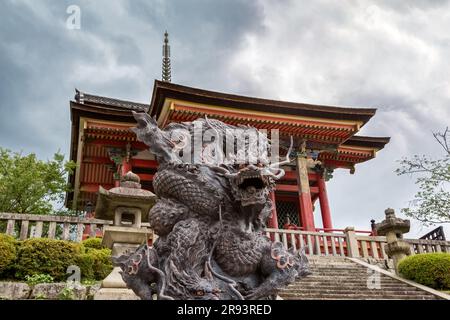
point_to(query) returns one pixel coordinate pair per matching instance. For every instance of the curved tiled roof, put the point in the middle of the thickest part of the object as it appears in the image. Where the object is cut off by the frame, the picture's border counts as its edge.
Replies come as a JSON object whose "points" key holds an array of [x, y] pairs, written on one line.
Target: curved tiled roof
{"points": [[163, 90], [85, 98]]}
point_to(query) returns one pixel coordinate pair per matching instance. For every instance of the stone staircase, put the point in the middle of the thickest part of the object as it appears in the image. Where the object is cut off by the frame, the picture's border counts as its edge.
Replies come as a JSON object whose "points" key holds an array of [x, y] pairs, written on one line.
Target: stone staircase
{"points": [[336, 278]]}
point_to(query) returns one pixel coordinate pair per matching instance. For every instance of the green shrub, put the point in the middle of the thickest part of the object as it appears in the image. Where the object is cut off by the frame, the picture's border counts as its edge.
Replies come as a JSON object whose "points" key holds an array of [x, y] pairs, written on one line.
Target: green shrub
{"points": [[38, 278], [95, 264], [429, 269], [93, 243], [46, 256], [7, 251]]}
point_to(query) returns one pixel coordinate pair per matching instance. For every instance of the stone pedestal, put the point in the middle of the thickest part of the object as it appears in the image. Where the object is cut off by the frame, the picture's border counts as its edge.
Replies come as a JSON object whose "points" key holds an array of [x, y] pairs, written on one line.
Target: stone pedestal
{"points": [[121, 239], [113, 288]]}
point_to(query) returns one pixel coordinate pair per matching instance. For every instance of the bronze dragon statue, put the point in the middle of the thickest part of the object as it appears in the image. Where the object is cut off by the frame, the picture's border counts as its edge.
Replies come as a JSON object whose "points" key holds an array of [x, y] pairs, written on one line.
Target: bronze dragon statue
{"points": [[213, 202]]}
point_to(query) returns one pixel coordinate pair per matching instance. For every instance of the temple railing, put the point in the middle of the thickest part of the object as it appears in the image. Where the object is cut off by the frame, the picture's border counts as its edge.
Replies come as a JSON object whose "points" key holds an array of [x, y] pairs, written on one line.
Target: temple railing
{"points": [[336, 242], [348, 243], [428, 246], [24, 226]]}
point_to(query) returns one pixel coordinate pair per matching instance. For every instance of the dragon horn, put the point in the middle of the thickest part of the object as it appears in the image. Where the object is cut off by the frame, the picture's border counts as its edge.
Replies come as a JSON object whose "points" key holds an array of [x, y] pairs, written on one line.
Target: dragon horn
{"points": [[277, 164]]}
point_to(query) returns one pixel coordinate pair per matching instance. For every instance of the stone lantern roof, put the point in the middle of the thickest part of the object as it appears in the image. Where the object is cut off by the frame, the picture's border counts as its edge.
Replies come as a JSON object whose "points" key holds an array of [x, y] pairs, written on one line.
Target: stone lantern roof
{"points": [[392, 224], [128, 194]]}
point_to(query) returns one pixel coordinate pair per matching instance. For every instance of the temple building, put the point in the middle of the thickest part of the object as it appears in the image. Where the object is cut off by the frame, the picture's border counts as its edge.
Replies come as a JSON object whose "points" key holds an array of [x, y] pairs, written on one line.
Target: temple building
{"points": [[325, 138]]}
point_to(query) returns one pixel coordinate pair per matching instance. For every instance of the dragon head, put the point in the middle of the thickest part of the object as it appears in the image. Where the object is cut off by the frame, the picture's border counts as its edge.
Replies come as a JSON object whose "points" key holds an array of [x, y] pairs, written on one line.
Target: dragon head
{"points": [[251, 184], [204, 289]]}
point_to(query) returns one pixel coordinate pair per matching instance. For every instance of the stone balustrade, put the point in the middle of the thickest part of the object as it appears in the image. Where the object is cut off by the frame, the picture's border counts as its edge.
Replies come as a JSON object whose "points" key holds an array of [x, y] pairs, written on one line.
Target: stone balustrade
{"points": [[24, 226], [342, 243], [348, 243]]}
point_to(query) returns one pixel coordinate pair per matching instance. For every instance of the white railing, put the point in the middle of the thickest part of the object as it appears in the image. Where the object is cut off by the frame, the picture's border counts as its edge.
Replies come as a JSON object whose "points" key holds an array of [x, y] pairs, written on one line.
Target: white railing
{"points": [[337, 243], [315, 243], [372, 247], [428, 246], [24, 226], [348, 243]]}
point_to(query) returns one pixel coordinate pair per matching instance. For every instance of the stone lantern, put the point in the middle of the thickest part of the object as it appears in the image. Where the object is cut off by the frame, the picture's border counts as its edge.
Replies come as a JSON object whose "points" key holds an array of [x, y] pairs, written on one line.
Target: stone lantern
{"points": [[394, 228], [127, 205]]}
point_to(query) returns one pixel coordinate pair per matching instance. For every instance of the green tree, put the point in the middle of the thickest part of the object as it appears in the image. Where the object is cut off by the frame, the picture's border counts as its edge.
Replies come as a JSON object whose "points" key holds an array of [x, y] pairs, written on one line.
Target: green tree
{"points": [[30, 185], [431, 203]]}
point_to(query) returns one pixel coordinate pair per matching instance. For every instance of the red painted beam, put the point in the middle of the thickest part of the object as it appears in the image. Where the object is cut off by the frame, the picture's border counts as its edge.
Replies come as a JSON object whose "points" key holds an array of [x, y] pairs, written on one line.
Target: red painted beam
{"points": [[145, 176], [340, 164], [292, 175], [142, 163], [113, 143], [286, 187], [294, 188]]}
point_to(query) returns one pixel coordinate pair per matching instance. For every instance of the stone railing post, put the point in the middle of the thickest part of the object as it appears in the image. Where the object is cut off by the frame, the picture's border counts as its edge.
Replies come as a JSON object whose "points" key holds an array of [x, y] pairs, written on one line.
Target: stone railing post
{"points": [[352, 243]]}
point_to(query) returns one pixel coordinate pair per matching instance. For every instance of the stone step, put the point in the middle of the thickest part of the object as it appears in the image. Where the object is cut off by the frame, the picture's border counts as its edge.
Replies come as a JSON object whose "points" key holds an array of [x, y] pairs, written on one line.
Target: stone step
{"points": [[343, 278], [368, 292], [343, 274], [332, 265], [356, 286], [338, 270], [335, 268], [341, 283], [339, 278], [354, 297]]}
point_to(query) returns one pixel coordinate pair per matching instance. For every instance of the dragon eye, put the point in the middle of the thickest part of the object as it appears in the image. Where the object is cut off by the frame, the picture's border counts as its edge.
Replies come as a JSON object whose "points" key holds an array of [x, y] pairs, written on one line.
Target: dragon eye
{"points": [[200, 293]]}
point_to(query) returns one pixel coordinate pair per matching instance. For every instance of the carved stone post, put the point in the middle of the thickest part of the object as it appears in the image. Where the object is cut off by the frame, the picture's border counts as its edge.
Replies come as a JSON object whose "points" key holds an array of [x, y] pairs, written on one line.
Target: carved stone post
{"points": [[352, 243], [394, 228]]}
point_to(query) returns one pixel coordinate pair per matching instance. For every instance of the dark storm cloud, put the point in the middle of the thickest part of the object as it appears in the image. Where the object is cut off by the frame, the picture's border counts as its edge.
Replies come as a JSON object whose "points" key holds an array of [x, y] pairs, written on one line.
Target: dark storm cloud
{"points": [[204, 34], [392, 55], [117, 52]]}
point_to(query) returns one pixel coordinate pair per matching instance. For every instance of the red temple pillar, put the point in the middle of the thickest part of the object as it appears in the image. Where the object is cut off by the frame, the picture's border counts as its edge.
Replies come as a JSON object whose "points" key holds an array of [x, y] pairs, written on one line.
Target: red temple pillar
{"points": [[306, 207], [324, 205], [126, 166], [273, 219]]}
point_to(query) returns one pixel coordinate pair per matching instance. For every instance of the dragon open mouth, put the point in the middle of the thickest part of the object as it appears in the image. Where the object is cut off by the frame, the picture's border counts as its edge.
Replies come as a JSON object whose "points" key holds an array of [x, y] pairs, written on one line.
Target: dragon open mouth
{"points": [[252, 187]]}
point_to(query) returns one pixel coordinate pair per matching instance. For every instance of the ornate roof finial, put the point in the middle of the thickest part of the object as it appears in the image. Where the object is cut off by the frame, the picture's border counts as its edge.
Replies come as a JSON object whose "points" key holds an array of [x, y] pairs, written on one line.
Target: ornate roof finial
{"points": [[166, 69]]}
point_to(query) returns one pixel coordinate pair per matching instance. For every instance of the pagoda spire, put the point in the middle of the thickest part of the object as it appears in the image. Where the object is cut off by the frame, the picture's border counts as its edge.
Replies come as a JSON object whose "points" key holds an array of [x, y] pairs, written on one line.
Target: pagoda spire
{"points": [[166, 68]]}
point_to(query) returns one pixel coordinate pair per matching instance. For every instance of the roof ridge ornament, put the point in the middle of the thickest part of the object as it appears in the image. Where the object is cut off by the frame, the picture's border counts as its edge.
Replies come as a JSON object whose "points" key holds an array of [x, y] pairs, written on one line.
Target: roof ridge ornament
{"points": [[79, 96], [166, 67]]}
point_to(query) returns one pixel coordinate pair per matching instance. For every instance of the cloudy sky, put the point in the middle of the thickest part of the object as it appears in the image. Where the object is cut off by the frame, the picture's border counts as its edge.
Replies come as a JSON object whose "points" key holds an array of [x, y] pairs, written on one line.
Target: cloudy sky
{"points": [[392, 55]]}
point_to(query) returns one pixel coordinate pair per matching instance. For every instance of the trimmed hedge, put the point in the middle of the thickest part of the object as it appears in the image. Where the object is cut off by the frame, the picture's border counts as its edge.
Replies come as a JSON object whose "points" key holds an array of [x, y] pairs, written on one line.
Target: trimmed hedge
{"points": [[429, 269], [93, 243], [7, 251], [95, 264], [46, 256]]}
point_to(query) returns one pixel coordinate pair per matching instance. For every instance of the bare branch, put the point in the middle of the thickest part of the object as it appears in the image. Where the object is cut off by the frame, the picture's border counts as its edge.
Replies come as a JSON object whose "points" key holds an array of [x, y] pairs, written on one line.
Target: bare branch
{"points": [[442, 138]]}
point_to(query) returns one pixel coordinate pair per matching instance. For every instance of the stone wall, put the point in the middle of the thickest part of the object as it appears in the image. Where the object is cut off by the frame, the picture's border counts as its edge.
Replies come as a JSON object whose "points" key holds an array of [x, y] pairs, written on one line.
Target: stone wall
{"points": [[50, 291]]}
